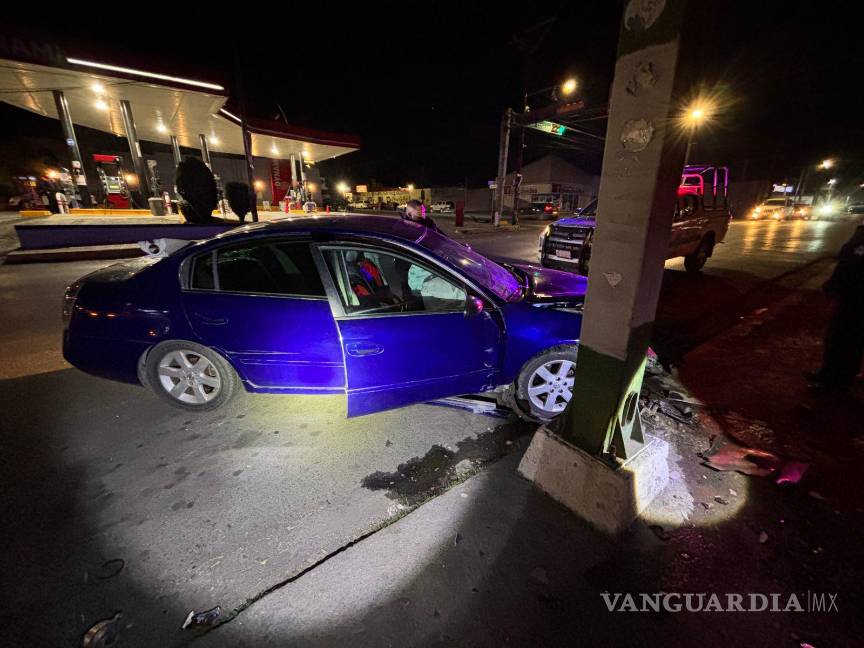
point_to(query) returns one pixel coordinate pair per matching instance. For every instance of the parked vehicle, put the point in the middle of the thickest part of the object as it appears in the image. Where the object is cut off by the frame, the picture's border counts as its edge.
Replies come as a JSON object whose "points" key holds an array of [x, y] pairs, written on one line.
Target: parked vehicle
{"points": [[360, 204], [855, 208], [381, 309], [700, 222], [442, 206]]}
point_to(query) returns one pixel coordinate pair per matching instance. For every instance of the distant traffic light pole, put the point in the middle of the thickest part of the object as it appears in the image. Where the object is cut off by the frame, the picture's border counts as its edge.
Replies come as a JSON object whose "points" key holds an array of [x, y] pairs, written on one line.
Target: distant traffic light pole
{"points": [[600, 463]]}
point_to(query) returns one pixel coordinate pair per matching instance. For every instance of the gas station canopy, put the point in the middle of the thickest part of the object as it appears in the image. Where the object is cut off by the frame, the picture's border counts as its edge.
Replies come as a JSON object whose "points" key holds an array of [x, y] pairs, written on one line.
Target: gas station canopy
{"points": [[162, 106]]}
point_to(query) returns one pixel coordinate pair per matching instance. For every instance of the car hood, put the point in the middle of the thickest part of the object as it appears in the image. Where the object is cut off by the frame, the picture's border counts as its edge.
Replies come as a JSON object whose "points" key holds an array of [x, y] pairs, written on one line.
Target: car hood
{"points": [[553, 285], [575, 221]]}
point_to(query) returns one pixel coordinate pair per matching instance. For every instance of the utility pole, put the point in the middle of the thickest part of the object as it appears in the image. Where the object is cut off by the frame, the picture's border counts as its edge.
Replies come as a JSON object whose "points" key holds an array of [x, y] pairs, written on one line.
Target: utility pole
{"points": [[601, 464], [503, 148]]}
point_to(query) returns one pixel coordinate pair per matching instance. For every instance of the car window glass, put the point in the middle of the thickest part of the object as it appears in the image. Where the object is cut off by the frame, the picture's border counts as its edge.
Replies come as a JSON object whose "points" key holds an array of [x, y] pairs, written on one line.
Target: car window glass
{"points": [[377, 282], [202, 273], [261, 267]]}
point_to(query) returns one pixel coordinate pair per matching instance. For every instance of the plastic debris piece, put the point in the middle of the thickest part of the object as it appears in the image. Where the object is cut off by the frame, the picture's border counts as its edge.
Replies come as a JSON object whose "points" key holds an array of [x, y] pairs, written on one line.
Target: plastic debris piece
{"points": [[110, 568], [763, 537], [103, 633], [207, 617], [816, 495], [792, 472], [733, 492], [749, 461]]}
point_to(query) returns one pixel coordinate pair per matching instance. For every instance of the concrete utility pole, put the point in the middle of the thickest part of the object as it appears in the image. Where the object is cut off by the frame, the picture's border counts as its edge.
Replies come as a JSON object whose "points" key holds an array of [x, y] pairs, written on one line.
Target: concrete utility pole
{"points": [[602, 465], [503, 148]]}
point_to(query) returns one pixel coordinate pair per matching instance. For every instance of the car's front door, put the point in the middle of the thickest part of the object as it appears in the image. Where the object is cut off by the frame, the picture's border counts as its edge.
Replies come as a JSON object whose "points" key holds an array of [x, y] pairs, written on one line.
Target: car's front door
{"points": [[262, 304], [410, 331]]}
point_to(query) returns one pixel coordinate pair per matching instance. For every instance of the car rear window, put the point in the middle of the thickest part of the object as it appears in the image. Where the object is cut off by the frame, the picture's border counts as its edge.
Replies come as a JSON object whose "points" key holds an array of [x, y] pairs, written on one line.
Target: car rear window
{"points": [[265, 267]]}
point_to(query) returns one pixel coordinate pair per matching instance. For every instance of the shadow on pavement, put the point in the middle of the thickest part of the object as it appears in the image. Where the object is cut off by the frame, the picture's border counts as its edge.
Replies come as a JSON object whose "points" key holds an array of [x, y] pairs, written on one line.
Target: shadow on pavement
{"points": [[62, 573]]}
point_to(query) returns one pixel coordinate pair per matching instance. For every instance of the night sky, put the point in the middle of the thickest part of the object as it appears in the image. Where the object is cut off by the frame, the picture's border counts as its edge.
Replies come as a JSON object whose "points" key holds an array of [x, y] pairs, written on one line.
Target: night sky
{"points": [[424, 84]]}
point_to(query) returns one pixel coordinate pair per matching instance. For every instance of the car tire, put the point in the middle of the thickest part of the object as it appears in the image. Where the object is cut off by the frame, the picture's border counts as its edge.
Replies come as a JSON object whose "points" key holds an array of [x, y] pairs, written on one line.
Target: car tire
{"points": [[208, 386], [696, 261], [545, 383]]}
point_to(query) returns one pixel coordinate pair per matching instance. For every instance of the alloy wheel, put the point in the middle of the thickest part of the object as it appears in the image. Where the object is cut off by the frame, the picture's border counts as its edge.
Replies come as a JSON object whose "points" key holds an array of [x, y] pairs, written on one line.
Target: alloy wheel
{"points": [[551, 386], [189, 377]]}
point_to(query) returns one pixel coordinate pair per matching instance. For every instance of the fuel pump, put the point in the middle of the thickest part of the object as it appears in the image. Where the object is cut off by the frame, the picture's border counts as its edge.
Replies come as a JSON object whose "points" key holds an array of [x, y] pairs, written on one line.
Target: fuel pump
{"points": [[112, 181]]}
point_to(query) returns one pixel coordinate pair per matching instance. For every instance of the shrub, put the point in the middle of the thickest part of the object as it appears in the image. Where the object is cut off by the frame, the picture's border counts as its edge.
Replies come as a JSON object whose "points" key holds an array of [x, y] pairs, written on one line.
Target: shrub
{"points": [[237, 194], [197, 188]]}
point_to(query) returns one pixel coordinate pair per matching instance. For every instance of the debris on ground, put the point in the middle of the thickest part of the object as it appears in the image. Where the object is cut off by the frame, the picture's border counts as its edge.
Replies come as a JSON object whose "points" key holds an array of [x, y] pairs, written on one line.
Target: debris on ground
{"points": [[110, 568], [207, 617], [104, 633], [792, 472], [463, 469]]}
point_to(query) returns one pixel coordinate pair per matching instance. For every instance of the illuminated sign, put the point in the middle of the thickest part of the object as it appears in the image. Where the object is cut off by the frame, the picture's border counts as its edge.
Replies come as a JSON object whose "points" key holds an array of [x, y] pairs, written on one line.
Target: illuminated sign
{"points": [[549, 127], [362, 189], [784, 188]]}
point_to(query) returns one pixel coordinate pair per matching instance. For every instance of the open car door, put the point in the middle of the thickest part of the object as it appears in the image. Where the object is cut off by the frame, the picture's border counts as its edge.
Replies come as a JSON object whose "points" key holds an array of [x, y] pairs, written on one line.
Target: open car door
{"points": [[410, 332]]}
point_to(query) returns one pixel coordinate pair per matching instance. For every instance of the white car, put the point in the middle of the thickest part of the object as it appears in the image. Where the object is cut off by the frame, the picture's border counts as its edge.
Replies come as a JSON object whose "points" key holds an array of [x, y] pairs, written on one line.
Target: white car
{"points": [[441, 206], [361, 204]]}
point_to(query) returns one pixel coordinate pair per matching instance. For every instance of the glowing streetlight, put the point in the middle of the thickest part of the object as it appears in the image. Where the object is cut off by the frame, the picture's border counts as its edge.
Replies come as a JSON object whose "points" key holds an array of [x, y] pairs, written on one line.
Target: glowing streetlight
{"points": [[410, 187], [697, 113], [342, 188], [832, 181], [826, 163], [569, 86]]}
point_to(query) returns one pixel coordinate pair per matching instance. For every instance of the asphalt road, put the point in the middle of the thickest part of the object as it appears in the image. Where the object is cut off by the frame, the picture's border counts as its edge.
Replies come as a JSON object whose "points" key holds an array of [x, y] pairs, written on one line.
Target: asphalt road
{"points": [[759, 263], [197, 511], [201, 510]]}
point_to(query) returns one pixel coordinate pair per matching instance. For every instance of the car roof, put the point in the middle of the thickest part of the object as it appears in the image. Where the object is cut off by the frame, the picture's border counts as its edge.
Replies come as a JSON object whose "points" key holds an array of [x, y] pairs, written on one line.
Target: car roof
{"points": [[388, 226]]}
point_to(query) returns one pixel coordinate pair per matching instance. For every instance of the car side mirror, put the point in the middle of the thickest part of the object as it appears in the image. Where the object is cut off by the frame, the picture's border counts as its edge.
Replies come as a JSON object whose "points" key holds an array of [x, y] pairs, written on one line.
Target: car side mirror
{"points": [[473, 306]]}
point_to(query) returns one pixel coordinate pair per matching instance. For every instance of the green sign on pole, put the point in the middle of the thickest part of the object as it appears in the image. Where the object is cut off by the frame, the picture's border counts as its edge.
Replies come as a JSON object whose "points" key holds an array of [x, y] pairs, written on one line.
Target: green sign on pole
{"points": [[552, 128]]}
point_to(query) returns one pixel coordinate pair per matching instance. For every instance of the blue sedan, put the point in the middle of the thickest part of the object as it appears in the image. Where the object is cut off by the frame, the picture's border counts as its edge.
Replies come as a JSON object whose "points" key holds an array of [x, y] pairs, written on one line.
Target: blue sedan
{"points": [[377, 308]]}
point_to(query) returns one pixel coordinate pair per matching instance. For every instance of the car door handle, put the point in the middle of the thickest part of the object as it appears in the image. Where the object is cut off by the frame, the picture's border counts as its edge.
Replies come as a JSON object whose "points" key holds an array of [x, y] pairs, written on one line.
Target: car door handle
{"points": [[360, 349], [213, 321]]}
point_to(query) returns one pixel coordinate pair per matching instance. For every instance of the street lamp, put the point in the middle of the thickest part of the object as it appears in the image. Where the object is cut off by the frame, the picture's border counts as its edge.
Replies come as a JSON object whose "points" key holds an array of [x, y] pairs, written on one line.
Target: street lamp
{"points": [[695, 115], [569, 86], [410, 187], [826, 163], [342, 187]]}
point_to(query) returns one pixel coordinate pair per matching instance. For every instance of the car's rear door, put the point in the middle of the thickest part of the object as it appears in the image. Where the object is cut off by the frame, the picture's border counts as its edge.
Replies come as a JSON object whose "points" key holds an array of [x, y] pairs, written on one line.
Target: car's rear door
{"points": [[261, 303], [407, 335]]}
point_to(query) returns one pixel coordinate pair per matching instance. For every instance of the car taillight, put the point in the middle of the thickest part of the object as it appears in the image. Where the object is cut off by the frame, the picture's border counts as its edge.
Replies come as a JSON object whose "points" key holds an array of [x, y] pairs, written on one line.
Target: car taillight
{"points": [[69, 298]]}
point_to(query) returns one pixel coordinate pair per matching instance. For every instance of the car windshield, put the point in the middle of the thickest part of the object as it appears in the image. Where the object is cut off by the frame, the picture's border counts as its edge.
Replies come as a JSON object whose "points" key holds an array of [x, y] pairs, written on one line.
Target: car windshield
{"points": [[775, 201], [482, 270], [589, 210]]}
